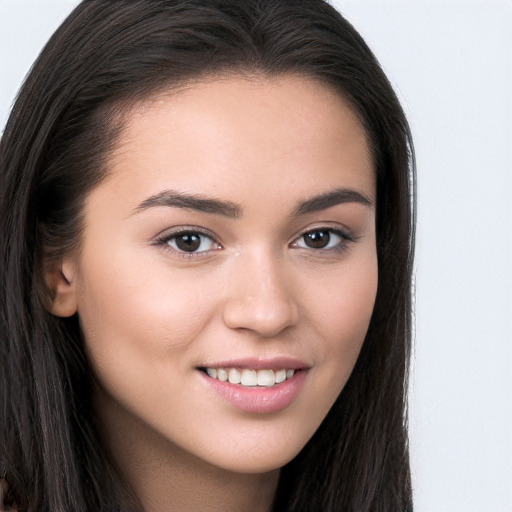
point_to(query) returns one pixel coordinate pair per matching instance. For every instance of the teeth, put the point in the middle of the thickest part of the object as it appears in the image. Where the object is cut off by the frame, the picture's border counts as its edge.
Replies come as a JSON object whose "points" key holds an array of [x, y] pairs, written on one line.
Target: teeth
{"points": [[266, 378], [250, 378], [280, 376], [234, 376]]}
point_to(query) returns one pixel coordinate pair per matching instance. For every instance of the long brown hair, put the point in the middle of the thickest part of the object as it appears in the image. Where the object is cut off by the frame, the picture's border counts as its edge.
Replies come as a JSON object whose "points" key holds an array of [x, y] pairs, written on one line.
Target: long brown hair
{"points": [[105, 57]]}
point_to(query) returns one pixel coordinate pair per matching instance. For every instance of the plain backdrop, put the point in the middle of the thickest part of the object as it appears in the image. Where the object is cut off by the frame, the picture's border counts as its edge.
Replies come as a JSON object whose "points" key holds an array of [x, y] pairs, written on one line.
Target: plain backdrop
{"points": [[451, 65]]}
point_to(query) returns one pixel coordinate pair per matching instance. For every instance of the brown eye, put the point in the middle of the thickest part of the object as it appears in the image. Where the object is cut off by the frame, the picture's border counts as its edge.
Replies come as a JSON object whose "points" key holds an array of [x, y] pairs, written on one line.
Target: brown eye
{"points": [[323, 239], [317, 239], [189, 242]]}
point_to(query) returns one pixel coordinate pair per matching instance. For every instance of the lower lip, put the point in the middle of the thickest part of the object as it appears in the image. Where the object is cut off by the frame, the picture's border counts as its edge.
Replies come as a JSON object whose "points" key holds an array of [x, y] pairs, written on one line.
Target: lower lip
{"points": [[259, 400]]}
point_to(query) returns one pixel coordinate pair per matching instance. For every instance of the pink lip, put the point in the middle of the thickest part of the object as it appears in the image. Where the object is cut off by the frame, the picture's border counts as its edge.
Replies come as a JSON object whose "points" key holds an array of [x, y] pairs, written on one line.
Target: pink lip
{"points": [[258, 400], [276, 364]]}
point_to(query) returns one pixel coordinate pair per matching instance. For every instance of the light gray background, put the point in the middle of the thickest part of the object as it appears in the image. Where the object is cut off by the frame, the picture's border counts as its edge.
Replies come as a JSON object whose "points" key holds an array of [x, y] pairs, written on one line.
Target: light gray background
{"points": [[451, 64]]}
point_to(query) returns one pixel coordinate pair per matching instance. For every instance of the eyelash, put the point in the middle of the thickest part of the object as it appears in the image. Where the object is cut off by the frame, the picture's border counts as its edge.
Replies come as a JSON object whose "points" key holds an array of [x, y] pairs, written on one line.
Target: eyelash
{"points": [[166, 239], [165, 242], [345, 239]]}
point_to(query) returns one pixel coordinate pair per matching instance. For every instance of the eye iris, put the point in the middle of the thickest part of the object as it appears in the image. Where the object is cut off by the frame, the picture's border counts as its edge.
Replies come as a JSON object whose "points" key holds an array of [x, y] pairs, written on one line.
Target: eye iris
{"points": [[317, 239], [188, 242]]}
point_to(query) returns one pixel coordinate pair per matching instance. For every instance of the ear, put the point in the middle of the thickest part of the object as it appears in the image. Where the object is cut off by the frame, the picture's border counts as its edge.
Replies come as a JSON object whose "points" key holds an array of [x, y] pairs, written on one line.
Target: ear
{"points": [[61, 281]]}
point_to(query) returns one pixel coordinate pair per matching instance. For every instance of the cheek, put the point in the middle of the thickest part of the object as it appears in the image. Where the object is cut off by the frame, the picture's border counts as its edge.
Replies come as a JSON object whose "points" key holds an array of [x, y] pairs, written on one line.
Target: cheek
{"points": [[138, 312], [340, 312], [140, 323]]}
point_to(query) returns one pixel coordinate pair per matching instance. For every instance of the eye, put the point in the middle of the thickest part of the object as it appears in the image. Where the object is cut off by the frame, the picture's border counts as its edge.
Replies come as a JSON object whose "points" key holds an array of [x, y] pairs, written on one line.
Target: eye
{"points": [[323, 238], [189, 241]]}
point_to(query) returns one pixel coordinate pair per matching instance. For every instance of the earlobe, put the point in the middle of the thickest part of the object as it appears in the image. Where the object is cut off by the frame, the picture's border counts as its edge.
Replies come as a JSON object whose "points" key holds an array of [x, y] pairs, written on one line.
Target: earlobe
{"points": [[61, 282]]}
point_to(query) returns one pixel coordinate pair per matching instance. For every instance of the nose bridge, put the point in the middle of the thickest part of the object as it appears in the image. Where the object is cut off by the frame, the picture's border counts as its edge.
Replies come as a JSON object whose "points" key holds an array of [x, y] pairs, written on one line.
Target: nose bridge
{"points": [[260, 296]]}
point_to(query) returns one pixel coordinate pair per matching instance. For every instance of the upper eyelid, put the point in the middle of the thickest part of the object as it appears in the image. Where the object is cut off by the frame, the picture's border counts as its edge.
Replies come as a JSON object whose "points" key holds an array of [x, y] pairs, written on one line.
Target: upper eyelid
{"points": [[346, 238], [342, 230], [173, 232], [162, 241]]}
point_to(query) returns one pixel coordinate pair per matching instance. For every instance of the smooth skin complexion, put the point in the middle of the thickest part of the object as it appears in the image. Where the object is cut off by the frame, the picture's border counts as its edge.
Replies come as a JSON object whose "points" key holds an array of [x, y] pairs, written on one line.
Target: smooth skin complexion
{"points": [[235, 230]]}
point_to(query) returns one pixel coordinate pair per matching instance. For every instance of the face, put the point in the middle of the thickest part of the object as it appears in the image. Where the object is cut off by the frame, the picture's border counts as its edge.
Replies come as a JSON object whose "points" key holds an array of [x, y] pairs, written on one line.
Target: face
{"points": [[233, 238]]}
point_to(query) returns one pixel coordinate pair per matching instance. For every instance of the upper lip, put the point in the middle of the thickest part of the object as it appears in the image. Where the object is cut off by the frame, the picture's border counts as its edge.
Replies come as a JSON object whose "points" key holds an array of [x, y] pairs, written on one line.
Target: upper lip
{"points": [[276, 364]]}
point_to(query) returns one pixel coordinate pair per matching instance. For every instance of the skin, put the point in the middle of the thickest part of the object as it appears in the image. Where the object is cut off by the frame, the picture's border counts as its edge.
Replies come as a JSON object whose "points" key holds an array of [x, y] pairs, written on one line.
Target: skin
{"points": [[152, 314]]}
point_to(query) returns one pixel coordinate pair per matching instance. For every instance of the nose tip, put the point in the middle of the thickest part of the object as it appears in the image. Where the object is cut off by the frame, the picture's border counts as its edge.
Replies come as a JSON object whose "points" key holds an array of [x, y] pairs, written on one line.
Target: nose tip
{"points": [[264, 305]]}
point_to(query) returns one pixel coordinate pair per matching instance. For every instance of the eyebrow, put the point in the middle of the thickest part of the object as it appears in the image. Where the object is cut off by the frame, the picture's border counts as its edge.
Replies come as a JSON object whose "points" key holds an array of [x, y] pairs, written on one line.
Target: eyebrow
{"points": [[174, 199], [332, 198]]}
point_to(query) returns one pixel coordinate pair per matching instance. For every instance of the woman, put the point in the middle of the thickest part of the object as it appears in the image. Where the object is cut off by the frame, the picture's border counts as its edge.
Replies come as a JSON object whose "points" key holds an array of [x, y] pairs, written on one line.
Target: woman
{"points": [[207, 237]]}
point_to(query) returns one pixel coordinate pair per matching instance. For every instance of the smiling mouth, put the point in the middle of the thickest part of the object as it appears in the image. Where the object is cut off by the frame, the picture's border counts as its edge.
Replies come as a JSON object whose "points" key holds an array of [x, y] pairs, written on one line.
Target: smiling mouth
{"points": [[265, 378]]}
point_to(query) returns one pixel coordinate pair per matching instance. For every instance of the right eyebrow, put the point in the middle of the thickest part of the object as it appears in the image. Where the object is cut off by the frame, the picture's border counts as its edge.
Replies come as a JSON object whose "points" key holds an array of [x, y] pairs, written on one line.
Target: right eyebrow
{"points": [[332, 198], [174, 199]]}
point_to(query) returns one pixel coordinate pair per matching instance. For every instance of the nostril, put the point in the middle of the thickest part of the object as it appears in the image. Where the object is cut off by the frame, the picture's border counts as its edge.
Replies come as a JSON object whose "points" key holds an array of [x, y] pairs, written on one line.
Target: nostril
{"points": [[266, 319]]}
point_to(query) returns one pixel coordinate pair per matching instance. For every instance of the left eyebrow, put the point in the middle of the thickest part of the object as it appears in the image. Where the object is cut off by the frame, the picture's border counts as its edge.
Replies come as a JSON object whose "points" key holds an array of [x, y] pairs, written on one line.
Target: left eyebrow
{"points": [[173, 199], [332, 198]]}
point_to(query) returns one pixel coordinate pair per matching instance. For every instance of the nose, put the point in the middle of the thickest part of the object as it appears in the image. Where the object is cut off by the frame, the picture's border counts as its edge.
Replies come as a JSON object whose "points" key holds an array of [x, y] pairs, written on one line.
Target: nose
{"points": [[260, 297]]}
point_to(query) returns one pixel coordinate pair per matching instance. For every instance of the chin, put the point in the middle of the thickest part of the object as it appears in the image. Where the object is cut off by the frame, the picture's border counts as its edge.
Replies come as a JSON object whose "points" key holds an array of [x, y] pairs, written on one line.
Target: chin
{"points": [[260, 457]]}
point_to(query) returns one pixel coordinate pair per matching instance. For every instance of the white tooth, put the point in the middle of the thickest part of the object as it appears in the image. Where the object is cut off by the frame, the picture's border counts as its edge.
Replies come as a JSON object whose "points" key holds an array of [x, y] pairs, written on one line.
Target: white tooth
{"points": [[290, 374], [222, 375], [249, 378], [266, 378], [212, 372], [280, 376], [234, 376]]}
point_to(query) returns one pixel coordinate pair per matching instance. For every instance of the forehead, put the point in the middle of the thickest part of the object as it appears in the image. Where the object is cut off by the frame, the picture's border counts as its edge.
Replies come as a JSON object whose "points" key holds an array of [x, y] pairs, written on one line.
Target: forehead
{"points": [[220, 135]]}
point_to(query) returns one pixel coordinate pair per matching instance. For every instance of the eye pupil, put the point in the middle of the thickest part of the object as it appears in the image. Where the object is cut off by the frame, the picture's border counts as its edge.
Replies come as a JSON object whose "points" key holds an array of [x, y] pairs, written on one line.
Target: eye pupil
{"points": [[317, 239], [188, 242]]}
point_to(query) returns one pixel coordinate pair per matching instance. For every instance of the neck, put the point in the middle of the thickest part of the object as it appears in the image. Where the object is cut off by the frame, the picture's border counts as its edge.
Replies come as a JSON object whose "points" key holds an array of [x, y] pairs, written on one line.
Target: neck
{"points": [[164, 477]]}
